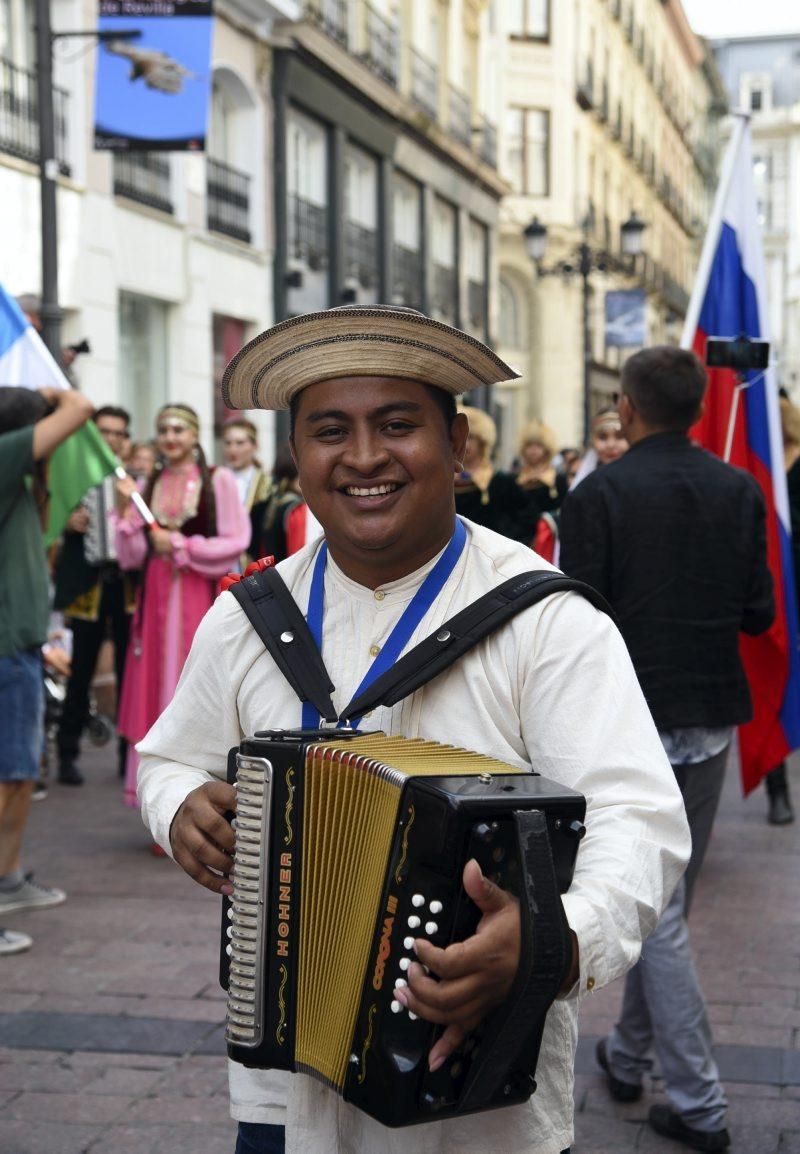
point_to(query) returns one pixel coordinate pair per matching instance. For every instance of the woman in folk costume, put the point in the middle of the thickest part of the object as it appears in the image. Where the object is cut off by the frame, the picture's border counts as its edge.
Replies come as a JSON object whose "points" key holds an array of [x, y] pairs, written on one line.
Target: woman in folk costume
{"points": [[240, 445], [487, 495], [201, 529]]}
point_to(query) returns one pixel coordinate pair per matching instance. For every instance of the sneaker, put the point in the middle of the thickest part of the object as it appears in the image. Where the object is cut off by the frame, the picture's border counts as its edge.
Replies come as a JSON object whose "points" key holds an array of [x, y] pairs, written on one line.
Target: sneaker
{"points": [[619, 1091], [13, 942], [666, 1122], [29, 895], [69, 774], [39, 790]]}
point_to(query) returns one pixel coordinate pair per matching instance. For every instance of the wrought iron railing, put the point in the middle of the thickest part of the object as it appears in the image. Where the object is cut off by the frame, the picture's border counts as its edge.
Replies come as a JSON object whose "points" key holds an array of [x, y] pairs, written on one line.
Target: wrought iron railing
{"points": [[382, 49], [424, 83], [19, 115], [330, 16], [361, 253], [445, 292], [144, 177], [407, 276], [459, 115], [476, 306], [227, 200], [308, 231], [487, 141]]}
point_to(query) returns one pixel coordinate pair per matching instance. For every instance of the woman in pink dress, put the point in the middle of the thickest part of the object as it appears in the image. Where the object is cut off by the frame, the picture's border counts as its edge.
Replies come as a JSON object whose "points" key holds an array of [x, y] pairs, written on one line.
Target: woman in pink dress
{"points": [[202, 529]]}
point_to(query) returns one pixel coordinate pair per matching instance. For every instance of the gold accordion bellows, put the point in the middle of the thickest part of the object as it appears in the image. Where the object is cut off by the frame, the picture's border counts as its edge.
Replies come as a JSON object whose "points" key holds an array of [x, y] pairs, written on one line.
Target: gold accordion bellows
{"points": [[348, 847]]}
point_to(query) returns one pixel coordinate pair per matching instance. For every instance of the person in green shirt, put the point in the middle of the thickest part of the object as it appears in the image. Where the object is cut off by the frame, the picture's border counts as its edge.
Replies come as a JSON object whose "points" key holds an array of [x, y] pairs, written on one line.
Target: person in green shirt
{"points": [[33, 422]]}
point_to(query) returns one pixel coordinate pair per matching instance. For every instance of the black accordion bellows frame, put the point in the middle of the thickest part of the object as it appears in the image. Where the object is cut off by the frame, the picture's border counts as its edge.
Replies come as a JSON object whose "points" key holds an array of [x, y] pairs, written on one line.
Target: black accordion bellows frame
{"points": [[350, 846]]}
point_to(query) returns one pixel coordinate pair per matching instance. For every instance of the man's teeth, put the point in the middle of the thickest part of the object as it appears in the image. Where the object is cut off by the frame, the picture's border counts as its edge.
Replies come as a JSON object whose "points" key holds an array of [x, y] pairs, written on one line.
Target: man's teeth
{"points": [[372, 491]]}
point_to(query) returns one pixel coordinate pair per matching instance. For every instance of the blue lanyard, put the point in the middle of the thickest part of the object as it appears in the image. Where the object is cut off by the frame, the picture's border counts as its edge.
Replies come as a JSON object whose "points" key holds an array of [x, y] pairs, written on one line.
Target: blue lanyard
{"points": [[419, 605]]}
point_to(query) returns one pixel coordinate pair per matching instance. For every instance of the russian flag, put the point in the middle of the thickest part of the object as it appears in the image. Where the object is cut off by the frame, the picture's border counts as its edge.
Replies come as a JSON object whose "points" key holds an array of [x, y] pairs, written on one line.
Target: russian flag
{"points": [[741, 423]]}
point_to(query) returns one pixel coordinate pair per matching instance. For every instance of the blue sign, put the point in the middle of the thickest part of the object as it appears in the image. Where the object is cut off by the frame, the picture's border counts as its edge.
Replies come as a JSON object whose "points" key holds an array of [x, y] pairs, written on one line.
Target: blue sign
{"points": [[626, 319], [153, 88]]}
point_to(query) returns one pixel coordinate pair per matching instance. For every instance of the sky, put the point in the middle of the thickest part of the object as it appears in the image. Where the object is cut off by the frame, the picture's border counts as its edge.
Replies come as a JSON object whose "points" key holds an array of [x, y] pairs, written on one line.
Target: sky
{"points": [[718, 18]]}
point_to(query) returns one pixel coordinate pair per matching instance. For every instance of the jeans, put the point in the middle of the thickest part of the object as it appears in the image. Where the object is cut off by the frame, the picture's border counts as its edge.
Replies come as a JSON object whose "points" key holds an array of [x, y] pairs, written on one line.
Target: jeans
{"points": [[22, 711], [260, 1138], [663, 1006]]}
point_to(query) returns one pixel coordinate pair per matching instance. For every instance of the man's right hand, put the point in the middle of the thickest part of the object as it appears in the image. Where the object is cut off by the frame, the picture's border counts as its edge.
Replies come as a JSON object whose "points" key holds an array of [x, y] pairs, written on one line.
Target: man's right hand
{"points": [[202, 839], [78, 520]]}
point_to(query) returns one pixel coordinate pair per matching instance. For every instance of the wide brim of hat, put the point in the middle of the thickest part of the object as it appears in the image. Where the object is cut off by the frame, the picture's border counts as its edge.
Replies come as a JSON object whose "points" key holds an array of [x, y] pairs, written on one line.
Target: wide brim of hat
{"points": [[282, 361]]}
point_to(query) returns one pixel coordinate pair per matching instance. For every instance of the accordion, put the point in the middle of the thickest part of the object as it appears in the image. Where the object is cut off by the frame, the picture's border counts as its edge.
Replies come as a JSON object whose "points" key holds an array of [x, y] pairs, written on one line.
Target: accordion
{"points": [[349, 846]]}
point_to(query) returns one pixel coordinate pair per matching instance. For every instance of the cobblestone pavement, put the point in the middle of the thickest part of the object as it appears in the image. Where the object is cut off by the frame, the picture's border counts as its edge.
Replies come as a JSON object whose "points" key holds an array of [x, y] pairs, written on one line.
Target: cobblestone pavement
{"points": [[110, 1027]]}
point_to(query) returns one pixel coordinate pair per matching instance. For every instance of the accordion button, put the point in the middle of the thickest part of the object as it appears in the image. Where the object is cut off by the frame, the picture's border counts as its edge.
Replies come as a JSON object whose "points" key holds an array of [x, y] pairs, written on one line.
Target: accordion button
{"points": [[229, 950], [395, 1007], [436, 907], [400, 983], [412, 1016], [404, 963], [413, 922], [418, 900], [408, 943], [431, 927]]}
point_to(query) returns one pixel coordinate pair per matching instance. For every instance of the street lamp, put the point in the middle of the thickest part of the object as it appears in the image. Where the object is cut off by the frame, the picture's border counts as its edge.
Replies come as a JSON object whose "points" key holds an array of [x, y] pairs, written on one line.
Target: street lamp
{"points": [[582, 264]]}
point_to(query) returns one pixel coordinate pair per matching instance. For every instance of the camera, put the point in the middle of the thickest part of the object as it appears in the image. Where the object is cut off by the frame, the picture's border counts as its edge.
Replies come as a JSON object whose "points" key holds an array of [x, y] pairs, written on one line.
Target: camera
{"points": [[740, 353]]}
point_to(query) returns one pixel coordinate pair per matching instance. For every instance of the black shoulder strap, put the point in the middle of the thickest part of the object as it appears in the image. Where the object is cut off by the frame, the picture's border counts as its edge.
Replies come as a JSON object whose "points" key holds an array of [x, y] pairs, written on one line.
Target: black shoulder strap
{"points": [[463, 632], [276, 618]]}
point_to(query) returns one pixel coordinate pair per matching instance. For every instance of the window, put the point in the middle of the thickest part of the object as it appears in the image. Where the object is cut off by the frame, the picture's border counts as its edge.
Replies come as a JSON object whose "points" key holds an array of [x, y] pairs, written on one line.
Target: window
{"points": [[143, 359], [755, 99], [476, 259], [529, 18], [528, 150], [445, 269], [361, 225], [307, 213], [509, 319], [407, 265]]}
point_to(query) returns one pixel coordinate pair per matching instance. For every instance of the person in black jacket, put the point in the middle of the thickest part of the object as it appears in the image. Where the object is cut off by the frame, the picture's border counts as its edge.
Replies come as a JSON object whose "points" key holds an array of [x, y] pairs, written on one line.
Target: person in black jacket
{"points": [[676, 542]]}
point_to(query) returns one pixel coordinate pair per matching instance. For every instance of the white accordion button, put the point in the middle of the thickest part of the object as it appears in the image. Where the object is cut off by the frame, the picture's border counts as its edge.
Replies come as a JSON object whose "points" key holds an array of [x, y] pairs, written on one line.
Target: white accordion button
{"points": [[413, 922], [400, 983], [404, 963], [436, 907], [408, 943], [395, 1007], [229, 950], [431, 927], [418, 900], [412, 1016]]}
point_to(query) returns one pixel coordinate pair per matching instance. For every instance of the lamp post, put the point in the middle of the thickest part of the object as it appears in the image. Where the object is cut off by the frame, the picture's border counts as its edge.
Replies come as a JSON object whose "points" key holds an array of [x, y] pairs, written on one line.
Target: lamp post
{"points": [[585, 261]]}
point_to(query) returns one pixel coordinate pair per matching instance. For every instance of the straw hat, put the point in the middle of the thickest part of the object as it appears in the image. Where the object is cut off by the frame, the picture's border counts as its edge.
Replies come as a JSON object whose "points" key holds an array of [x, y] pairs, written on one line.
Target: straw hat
{"points": [[482, 427], [352, 341]]}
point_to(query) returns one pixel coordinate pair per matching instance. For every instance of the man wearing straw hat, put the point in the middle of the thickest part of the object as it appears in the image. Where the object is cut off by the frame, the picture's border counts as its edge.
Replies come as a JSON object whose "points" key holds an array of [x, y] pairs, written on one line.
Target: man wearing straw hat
{"points": [[374, 430]]}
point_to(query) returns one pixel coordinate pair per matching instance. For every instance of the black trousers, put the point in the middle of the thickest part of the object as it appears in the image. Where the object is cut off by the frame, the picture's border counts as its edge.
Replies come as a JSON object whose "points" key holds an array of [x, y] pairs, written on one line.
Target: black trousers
{"points": [[87, 637]]}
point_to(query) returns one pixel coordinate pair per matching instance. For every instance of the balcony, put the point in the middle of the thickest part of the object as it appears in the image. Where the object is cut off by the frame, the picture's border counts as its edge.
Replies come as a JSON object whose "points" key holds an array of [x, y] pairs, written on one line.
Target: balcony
{"points": [[476, 307], [381, 51], [459, 115], [308, 232], [330, 16], [406, 276], [424, 83], [361, 254], [227, 200], [487, 141], [144, 177], [19, 116], [584, 89]]}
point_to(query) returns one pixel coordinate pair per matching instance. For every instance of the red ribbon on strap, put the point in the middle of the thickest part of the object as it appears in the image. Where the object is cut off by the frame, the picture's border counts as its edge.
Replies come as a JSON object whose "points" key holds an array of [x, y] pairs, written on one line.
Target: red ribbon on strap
{"points": [[254, 567]]}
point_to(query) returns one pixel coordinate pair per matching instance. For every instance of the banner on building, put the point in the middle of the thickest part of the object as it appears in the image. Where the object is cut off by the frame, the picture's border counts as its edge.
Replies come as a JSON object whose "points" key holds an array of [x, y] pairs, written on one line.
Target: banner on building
{"points": [[153, 75], [626, 319]]}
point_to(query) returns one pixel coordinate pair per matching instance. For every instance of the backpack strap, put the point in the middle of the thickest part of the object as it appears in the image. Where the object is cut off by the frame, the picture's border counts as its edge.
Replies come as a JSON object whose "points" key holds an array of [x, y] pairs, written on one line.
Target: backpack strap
{"points": [[276, 618], [463, 632]]}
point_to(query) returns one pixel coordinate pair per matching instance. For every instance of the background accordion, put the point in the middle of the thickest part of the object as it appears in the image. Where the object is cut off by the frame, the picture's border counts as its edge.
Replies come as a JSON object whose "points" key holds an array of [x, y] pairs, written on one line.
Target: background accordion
{"points": [[350, 846]]}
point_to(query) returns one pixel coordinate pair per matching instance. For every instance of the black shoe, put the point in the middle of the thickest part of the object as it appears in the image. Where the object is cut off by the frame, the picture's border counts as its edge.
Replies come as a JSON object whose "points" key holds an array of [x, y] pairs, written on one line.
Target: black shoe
{"points": [[780, 810], [665, 1121], [69, 774], [619, 1091]]}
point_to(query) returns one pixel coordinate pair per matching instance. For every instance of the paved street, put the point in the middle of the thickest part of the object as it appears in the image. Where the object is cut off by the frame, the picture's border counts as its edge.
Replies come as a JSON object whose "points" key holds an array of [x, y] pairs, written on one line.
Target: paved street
{"points": [[110, 1026]]}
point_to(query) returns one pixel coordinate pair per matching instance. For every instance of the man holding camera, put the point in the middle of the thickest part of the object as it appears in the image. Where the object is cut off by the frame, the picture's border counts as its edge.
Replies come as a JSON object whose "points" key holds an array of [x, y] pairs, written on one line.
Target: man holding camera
{"points": [[676, 542]]}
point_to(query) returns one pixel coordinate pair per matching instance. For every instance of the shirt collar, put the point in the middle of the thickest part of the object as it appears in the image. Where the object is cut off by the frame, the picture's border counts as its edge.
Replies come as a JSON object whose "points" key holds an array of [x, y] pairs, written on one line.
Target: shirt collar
{"points": [[394, 592]]}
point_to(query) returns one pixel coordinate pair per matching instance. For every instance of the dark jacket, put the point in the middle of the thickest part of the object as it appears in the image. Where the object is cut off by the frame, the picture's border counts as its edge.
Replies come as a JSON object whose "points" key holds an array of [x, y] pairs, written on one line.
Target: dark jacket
{"points": [[676, 542]]}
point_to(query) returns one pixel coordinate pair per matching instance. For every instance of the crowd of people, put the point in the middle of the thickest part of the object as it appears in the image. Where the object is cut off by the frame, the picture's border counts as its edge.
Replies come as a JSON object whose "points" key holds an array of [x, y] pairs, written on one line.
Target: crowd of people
{"points": [[380, 465]]}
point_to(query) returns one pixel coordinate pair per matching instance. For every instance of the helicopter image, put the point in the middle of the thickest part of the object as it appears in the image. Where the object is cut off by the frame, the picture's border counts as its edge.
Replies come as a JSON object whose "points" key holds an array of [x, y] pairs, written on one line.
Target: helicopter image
{"points": [[158, 70]]}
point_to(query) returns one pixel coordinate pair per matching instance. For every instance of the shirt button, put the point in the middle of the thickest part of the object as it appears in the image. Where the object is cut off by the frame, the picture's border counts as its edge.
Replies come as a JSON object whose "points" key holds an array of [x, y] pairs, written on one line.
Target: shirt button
{"points": [[374, 650], [590, 983], [379, 595]]}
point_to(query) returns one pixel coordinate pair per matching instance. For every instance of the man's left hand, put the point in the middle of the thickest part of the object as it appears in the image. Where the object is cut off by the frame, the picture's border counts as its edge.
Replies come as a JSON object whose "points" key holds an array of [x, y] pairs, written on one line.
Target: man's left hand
{"points": [[475, 975], [162, 541]]}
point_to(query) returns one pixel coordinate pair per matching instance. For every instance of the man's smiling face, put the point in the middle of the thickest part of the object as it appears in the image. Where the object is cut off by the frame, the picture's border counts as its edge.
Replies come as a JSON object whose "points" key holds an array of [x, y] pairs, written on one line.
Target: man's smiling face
{"points": [[376, 462]]}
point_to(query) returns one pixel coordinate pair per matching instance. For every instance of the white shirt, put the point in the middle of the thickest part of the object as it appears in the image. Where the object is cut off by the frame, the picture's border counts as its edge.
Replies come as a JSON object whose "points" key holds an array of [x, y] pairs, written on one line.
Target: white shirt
{"points": [[554, 689], [244, 479]]}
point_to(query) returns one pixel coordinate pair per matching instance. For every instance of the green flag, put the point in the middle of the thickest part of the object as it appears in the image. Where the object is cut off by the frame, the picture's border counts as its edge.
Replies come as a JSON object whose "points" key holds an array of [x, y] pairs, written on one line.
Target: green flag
{"points": [[77, 465]]}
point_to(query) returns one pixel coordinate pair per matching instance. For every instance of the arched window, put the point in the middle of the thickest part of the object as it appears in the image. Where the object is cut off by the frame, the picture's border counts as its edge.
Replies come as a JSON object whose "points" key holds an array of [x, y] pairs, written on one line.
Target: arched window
{"points": [[232, 168]]}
